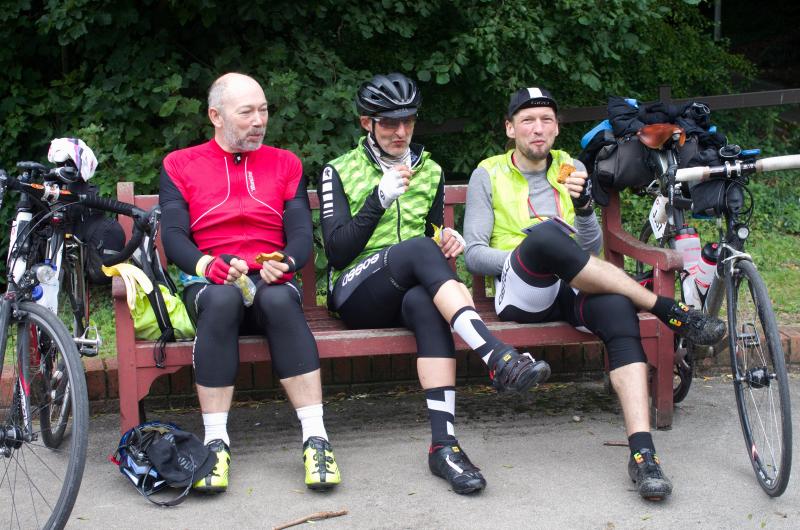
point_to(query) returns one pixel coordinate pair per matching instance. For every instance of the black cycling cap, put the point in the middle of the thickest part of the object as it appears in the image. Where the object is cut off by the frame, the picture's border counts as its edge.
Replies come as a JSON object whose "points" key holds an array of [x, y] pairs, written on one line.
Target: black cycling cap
{"points": [[530, 97]]}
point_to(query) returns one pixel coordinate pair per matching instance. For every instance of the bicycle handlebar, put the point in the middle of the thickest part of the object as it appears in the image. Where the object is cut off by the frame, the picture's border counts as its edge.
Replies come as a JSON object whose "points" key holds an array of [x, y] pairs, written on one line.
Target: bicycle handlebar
{"points": [[738, 167], [66, 174], [143, 221]]}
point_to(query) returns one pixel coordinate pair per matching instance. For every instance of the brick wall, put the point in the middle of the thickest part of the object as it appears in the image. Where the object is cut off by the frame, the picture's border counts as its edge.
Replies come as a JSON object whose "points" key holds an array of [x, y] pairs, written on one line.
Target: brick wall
{"points": [[569, 361]]}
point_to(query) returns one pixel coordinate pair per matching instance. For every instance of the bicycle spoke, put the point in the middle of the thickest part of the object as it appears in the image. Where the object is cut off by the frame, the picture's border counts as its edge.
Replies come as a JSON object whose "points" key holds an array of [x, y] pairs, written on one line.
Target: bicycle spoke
{"points": [[762, 394]]}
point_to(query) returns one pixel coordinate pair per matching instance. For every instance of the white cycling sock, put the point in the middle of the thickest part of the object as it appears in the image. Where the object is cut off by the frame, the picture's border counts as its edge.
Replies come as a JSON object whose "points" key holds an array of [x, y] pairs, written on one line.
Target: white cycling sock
{"points": [[216, 424], [311, 421]]}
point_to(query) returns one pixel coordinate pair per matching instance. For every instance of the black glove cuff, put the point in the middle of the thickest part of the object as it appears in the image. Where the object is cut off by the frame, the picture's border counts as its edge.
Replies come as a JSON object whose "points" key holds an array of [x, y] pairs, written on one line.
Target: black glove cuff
{"points": [[287, 259]]}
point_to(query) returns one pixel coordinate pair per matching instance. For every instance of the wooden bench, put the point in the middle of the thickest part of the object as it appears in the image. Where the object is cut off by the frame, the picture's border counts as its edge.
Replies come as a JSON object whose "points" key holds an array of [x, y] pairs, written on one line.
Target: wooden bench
{"points": [[137, 371]]}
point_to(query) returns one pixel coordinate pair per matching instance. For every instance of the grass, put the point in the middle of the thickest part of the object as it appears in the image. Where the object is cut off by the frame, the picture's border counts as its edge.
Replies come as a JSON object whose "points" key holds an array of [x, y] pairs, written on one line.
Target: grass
{"points": [[101, 311]]}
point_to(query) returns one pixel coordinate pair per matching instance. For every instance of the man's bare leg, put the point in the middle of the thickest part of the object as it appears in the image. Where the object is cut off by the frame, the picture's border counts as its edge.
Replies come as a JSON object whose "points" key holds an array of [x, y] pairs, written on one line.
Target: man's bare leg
{"points": [[630, 384], [304, 390], [599, 276]]}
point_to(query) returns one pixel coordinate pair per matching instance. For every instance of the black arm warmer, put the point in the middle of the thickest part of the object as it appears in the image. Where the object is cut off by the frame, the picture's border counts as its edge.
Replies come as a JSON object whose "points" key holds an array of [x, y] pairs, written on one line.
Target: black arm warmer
{"points": [[176, 234], [436, 213], [297, 225], [345, 236]]}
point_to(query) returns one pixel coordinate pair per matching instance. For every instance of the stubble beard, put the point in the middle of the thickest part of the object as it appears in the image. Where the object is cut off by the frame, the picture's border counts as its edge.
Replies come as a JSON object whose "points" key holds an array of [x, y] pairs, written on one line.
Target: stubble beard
{"points": [[532, 155], [241, 143]]}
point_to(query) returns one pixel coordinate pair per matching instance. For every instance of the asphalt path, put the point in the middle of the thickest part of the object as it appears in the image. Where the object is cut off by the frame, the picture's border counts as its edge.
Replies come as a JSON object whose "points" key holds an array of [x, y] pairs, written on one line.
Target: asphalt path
{"points": [[552, 459]]}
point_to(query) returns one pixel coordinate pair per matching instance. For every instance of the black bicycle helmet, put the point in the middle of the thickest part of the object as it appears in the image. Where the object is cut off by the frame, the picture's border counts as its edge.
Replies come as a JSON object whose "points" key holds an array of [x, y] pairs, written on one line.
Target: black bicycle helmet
{"points": [[392, 96]]}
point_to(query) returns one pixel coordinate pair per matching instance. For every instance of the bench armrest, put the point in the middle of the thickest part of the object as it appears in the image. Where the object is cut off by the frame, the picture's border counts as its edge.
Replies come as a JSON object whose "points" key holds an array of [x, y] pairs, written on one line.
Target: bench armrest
{"points": [[619, 243]]}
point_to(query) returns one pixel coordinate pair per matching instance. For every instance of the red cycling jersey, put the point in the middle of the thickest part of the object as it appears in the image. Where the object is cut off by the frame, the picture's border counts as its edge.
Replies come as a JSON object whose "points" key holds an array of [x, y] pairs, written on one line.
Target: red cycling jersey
{"points": [[235, 201]]}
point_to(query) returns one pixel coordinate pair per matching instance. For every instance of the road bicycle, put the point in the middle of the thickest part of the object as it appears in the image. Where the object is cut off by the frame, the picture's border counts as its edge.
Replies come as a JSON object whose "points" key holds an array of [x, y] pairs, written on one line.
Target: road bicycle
{"points": [[43, 399], [722, 271]]}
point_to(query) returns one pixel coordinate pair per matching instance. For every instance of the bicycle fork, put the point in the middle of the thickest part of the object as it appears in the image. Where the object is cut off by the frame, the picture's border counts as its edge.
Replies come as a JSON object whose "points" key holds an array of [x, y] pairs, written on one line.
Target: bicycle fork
{"points": [[17, 427]]}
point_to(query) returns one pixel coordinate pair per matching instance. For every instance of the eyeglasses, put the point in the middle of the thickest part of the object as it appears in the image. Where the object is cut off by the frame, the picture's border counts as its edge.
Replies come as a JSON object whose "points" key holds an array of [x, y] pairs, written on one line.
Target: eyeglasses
{"points": [[394, 123]]}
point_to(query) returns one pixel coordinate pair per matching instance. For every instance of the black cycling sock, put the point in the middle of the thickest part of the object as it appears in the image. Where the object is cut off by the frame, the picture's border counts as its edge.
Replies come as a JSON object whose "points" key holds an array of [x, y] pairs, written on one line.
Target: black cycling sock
{"points": [[472, 330], [662, 308], [442, 412], [640, 440]]}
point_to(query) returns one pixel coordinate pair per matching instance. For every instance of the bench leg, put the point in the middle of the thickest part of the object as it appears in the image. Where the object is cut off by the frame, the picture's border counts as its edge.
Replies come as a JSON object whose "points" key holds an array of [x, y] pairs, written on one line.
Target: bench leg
{"points": [[663, 406], [128, 395], [128, 403]]}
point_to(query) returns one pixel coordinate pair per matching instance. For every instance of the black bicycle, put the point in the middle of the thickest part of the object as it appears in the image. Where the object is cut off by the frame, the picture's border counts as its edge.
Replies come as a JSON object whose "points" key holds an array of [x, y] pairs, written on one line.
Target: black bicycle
{"points": [[43, 402], [757, 359]]}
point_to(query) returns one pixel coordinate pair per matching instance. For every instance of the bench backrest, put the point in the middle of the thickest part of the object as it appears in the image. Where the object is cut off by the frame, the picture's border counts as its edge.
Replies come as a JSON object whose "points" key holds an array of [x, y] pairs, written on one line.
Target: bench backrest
{"points": [[454, 194]]}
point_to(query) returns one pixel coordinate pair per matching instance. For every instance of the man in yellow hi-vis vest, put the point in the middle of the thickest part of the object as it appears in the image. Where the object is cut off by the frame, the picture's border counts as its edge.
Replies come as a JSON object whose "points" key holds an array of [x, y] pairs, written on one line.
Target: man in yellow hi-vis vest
{"points": [[529, 222]]}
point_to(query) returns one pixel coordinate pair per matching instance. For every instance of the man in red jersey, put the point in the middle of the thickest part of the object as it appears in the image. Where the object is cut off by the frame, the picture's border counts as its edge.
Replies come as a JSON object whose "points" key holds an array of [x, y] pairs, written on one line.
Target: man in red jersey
{"points": [[223, 203]]}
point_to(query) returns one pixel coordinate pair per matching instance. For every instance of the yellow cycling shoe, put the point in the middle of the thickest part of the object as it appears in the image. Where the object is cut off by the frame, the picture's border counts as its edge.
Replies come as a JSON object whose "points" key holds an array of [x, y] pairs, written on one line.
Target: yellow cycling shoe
{"points": [[217, 479], [322, 473]]}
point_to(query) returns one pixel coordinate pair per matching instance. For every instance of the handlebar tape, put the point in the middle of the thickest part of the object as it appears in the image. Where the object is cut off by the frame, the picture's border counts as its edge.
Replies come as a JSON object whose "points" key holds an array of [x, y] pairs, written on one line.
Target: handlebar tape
{"points": [[774, 163], [777, 163]]}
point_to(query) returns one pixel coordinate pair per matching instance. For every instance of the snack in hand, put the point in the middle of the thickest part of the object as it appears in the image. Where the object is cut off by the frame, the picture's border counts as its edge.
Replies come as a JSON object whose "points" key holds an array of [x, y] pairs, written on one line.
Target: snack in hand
{"points": [[437, 233], [564, 172], [272, 256]]}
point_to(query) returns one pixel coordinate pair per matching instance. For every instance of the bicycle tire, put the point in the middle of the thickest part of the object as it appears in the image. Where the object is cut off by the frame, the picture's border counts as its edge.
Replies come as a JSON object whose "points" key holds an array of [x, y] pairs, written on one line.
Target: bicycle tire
{"points": [[644, 236], [41, 483], [758, 366], [682, 374]]}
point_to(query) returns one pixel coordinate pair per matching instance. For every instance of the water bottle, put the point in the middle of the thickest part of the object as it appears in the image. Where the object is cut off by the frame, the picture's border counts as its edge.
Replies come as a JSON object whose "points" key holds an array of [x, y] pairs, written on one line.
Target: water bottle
{"points": [[47, 274], [706, 267], [687, 242]]}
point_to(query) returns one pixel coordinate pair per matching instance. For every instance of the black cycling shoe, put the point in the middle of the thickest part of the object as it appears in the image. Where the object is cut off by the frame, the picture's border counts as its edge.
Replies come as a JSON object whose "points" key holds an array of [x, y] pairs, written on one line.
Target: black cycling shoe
{"points": [[452, 464], [645, 470], [517, 372], [695, 325]]}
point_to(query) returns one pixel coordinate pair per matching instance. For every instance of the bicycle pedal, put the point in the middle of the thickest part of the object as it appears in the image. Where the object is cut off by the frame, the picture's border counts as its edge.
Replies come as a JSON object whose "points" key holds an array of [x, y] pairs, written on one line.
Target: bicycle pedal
{"points": [[89, 343]]}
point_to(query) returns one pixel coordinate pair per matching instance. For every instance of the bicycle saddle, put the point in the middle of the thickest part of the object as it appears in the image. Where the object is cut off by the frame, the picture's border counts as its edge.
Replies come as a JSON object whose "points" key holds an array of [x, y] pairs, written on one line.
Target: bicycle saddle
{"points": [[656, 135]]}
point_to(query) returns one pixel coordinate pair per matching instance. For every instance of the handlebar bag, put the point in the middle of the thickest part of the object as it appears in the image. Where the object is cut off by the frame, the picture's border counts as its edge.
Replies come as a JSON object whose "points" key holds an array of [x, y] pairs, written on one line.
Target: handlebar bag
{"points": [[717, 197], [102, 236]]}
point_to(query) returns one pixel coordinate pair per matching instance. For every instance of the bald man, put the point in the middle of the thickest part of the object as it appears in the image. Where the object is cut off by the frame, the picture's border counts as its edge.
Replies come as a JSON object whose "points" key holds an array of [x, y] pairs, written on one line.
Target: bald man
{"points": [[224, 202]]}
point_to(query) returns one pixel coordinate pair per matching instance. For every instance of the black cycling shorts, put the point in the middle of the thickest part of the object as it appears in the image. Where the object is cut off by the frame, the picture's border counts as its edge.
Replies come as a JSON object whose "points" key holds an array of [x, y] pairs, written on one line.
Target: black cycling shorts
{"points": [[220, 317], [395, 288]]}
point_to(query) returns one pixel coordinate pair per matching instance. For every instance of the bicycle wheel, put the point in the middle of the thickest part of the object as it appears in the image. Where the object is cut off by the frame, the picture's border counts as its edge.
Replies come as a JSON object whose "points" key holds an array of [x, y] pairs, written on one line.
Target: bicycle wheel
{"points": [[760, 380], [40, 483], [683, 369], [73, 297]]}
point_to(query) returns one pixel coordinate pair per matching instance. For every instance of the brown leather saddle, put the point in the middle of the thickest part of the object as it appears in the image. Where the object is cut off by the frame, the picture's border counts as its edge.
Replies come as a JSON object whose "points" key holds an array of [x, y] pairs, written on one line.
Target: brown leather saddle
{"points": [[656, 135]]}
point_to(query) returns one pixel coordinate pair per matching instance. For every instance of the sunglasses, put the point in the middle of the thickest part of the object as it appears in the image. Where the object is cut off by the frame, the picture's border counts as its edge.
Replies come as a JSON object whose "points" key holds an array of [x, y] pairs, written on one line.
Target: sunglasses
{"points": [[394, 123]]}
